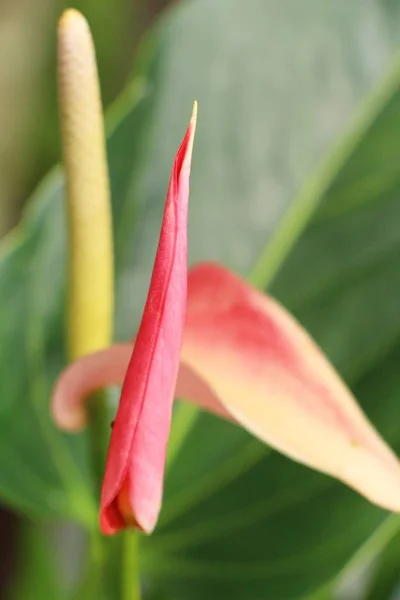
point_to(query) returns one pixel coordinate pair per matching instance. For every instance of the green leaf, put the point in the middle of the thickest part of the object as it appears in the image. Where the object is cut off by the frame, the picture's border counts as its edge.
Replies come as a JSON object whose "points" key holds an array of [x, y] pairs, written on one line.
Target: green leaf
{"points": [[38, 468], [385, 580], [295, 153]]}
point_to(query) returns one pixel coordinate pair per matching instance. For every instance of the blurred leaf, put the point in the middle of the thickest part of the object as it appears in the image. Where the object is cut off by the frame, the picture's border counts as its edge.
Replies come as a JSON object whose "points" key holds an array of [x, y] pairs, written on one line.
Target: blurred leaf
{"points": [[36, 577], [386, 577], [38, 470], [278, 84]]}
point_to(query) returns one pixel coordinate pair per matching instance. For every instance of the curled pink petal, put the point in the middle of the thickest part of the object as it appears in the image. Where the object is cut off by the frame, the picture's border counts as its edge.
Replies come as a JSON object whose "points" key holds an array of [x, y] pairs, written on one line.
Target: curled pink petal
{"points": [[273, 379], [108, 367], [81, 378]]}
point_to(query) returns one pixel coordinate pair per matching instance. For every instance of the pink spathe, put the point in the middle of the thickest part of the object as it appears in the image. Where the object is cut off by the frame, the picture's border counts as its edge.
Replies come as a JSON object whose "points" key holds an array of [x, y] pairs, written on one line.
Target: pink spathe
{"points": [[133, 480]]}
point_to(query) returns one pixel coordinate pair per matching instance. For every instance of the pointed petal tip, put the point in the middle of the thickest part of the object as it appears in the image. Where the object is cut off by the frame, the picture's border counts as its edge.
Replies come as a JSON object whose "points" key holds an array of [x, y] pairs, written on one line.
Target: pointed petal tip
{"points": [[375, 475], [193, 120], [190, 139]]}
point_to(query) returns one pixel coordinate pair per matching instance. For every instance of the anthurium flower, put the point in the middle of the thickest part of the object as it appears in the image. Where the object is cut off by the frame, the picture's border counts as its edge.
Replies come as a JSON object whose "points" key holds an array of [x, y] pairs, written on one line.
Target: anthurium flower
{"points": [[132, 486], [243, 357]]}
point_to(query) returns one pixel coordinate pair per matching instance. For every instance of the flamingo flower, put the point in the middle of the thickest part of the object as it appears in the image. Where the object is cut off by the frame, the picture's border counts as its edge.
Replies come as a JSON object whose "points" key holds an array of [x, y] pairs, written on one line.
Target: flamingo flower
{"points": [[211, 338]]}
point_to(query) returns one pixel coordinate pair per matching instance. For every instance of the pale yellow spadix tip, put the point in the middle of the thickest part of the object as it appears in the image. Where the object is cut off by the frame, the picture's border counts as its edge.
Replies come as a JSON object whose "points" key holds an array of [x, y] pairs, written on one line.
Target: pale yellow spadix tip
{"points": [[71, 16], [90, 247], [73, 30]]}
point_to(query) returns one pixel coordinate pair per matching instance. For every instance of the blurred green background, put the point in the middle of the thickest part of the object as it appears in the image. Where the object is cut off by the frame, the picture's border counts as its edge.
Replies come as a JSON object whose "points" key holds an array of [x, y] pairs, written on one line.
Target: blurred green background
{"points": [[295, 182], [28, 116]]}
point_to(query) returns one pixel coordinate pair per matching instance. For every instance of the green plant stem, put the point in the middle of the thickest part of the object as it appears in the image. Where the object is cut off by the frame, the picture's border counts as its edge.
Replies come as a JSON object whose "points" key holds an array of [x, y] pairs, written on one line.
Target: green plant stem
{"points": [[130, 566], [99, 434]]}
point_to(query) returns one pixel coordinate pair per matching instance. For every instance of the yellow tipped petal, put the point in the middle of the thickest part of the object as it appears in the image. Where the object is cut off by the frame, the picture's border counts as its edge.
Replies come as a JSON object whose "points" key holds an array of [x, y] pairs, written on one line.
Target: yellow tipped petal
{"points": [[192, 130], [90, 303], [274, 381]]}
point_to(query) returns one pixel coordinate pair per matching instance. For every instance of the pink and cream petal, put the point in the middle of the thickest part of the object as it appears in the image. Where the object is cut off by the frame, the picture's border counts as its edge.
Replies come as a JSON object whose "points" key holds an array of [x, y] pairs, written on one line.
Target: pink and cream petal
{"points": [[192, 388], [274, 381]]}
